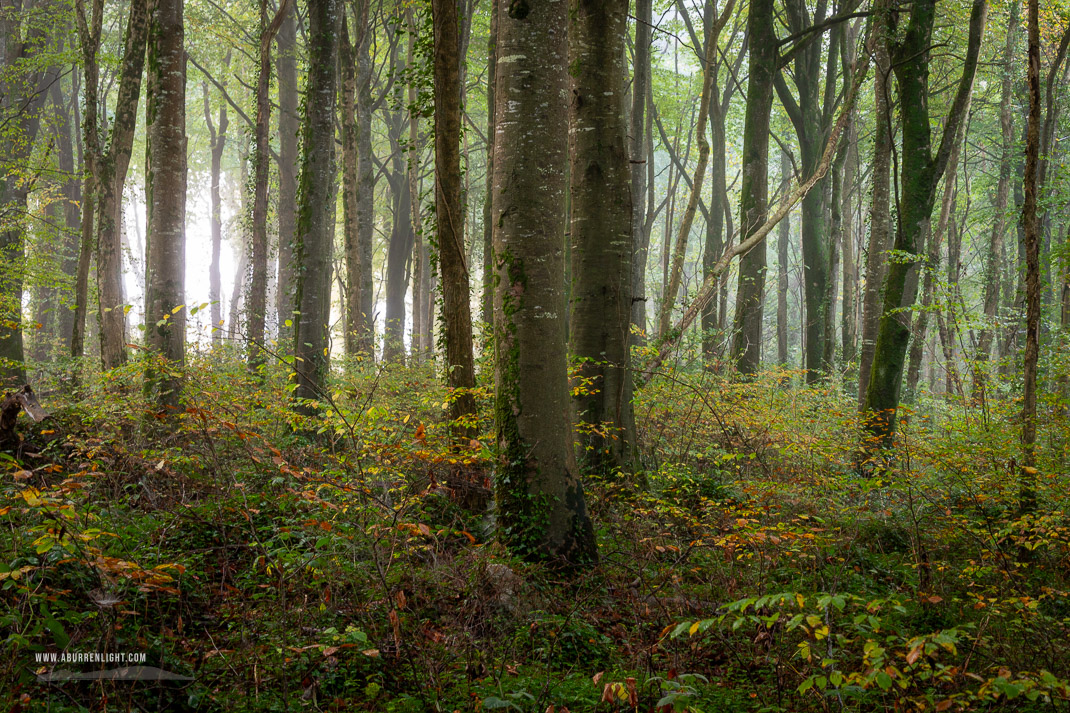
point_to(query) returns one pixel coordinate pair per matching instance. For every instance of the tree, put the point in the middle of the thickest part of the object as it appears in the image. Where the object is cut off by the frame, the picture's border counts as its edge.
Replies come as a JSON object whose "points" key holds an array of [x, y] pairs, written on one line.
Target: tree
{"points": [[286, 69], [680, 250], [811, 116], [449, 220], [24, 82], [542, 513], [217, 141], [601, 233], [921, 171], [111, 177], [315, 205], [257, 302], [165, 182], [754, 194], [995, 241], [638, 133], [1031, 224]]}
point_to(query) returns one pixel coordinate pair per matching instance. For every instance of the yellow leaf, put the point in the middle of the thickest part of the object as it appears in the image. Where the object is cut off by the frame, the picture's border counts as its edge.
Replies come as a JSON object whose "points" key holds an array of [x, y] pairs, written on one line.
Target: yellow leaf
{"points": [[693, 629]]}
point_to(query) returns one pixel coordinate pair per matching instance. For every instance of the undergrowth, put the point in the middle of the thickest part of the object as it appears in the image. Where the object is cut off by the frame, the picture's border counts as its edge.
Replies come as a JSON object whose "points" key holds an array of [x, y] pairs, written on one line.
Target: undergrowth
{"points": [[759, 560]]}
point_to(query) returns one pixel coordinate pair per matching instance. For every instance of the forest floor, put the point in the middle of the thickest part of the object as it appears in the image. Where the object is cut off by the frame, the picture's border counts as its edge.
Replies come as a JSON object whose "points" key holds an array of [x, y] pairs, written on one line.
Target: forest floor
{"points": [[752, 565]]}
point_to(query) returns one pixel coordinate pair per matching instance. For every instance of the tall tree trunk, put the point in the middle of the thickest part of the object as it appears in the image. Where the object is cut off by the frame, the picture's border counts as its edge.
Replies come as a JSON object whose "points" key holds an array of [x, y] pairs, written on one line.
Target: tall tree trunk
{"points": [[315, 208], [23, 89], [421, 269], [921, 173], [754, 193], [849, 318], [641, 160], [1031, 225], [257, 303], [217, 142], [365, 193], [165, 260], [449, 223], [111, 173], [879, 208], [399, 249], [89, 31], [289, 123], [59, 297], [680, 249], [784, 229], [355, 267], [487, 304], [811, 117], [601, 234], [995, 241], [542, 513]]}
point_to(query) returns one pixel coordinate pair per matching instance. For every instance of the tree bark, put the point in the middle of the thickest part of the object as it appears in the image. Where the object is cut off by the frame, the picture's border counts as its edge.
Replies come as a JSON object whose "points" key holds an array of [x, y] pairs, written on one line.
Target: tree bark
{"points": [[487, 305], [315, 206], [879, 208], [111, 174], [995, 241], [289, 123], [449, 223], [754, 193], [921, 173], [784, 228], [542, 513], [1027, 483], [355, 267], [89, 31], [601, 234], [165, 260], [217, 136], [641, 160], [680, 248], [256, 304]]}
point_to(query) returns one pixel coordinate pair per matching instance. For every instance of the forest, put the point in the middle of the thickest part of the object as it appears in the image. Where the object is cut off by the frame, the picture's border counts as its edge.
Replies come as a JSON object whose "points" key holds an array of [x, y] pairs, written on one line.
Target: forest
{"points": [[549, 356]]}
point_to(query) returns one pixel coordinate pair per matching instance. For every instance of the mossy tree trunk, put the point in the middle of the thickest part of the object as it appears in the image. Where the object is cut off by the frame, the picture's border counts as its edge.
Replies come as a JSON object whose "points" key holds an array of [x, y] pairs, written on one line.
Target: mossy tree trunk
{"points": [[315, 206], [921, 171], [111, 175], [542, 513]]}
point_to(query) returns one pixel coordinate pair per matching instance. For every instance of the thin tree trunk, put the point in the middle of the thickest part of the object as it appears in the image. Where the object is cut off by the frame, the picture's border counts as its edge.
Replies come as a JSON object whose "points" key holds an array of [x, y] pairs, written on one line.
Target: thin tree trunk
{"points": [[355, 267], [289, 123], [1031, 224], [449, 223], [680, 249], [217, 142], [782, 267], [641, 160]]}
